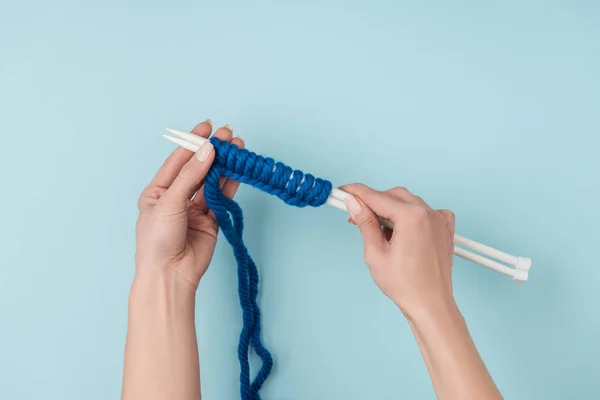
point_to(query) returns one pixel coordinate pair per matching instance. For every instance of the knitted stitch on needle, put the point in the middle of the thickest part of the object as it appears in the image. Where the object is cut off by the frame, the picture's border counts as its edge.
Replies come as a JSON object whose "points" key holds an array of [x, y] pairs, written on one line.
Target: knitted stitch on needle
{"points": [[294, 188]]}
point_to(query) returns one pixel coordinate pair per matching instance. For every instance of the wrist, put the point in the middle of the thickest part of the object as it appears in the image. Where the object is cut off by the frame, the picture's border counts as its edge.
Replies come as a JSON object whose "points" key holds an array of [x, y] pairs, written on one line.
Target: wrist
{"points": [[430, 309], [436, 317], [160, 289]]}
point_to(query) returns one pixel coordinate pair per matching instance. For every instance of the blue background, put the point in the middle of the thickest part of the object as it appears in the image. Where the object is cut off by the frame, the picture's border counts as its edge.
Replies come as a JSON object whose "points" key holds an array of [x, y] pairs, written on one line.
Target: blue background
{"points": [[491, 110]]}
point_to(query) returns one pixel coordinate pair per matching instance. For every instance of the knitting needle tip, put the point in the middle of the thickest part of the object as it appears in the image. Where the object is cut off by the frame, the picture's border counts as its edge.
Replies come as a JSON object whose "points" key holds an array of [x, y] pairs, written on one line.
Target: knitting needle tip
{"points": [[190, 137], [186, 145]]}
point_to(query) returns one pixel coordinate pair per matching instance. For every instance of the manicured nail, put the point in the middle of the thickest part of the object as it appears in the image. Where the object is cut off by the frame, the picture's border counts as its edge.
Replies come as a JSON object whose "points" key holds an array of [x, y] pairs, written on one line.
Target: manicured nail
{"points": [[204, 151], [208, 121], [353, 206], [227, 126], [241, 138]]}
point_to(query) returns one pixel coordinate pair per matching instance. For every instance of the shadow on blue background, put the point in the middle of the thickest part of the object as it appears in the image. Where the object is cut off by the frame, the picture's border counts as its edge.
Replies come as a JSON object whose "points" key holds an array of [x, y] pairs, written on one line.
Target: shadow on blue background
{"points": [[488, 109]]}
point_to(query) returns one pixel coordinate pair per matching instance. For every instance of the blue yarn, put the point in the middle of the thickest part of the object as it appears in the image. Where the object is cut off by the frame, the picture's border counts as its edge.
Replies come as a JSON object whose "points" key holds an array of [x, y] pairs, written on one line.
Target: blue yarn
{"points": [[294, 188]]}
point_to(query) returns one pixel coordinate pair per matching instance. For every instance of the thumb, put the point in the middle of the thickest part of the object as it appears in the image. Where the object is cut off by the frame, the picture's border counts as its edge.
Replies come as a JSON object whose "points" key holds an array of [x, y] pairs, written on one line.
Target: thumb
{"points": [[189, 178], [367, 222]]}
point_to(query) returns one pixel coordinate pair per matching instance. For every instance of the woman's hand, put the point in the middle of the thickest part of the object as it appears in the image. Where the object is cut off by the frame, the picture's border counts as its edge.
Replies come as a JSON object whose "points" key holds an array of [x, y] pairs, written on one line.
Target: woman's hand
{"points": [[413, 264], [176, 237], [176, 232]]}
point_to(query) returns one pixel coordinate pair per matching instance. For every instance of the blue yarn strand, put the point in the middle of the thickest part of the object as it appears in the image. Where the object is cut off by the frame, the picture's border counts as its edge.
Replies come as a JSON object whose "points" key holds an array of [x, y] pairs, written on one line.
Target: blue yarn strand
{"points": [[294, 188]]}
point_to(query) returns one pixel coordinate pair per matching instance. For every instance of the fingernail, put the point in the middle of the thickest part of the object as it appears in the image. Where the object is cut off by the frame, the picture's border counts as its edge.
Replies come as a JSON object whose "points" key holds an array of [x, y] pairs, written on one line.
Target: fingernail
{"points": [[241, 138], [227, 126], [353, 206], [208, 121], [204, 151]]}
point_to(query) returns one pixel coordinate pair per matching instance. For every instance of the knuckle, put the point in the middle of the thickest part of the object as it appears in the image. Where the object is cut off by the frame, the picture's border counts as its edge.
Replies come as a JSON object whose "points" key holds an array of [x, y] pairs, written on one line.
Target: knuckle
{"points": [[400, 190], [150, 196], [439, 217], [366, 222], [187, 172], [448, 218]]}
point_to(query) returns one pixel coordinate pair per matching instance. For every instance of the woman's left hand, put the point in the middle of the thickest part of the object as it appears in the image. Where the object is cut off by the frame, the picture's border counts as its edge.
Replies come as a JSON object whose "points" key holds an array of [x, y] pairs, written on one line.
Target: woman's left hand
{"points": [[176, 232]]}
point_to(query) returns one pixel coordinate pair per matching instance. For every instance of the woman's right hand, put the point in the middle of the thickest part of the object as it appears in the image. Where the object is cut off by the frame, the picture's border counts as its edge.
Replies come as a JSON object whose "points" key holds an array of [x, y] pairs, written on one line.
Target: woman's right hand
{"points": [[413, 264]]}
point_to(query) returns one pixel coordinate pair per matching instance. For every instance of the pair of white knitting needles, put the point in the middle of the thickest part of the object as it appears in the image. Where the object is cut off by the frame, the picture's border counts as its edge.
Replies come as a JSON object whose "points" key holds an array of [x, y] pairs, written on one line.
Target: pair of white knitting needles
{"points": [[521, 265]]}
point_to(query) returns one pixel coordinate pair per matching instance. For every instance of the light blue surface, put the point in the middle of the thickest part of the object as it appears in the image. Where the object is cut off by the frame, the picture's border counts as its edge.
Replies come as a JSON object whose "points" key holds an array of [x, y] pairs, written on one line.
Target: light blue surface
{"points": [[490, 110]]}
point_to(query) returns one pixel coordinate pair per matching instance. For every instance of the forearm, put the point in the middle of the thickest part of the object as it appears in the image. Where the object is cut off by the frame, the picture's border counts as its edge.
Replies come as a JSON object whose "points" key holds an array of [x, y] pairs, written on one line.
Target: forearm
{"points": [[161, 354], [455, 366]]}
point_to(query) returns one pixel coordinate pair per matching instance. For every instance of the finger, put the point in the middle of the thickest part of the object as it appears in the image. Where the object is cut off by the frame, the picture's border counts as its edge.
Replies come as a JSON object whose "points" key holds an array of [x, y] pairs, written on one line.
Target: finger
{"points": [[387, 233], [224, 133], [450, 220], [403, 194], [170, 169], [367, 222], [203, 129], [381, 203], [231, 186], [189, 179]]}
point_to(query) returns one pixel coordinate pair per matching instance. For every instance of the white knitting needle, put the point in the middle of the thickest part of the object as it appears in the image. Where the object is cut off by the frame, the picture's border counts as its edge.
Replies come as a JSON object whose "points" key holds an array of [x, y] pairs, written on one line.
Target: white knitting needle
{"points": [[336, 199]]}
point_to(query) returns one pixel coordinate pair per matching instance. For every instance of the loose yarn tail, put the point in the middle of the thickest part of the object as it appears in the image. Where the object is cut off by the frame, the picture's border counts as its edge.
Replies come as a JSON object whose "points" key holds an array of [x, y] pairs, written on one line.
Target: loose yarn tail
{"points": [[294, 188]]}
